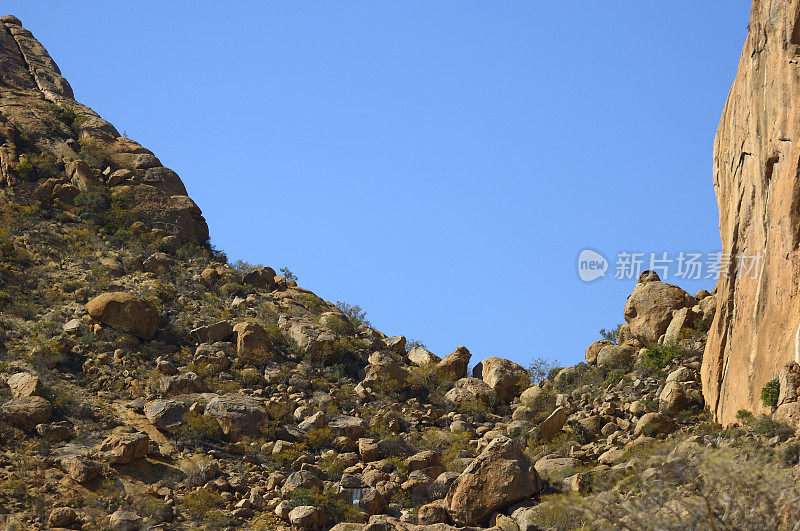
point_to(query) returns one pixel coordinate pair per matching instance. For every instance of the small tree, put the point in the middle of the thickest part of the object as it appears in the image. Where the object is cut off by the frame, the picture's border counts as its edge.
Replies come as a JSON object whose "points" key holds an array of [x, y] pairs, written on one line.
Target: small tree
{"points": [[354, 312], [288, 275]]}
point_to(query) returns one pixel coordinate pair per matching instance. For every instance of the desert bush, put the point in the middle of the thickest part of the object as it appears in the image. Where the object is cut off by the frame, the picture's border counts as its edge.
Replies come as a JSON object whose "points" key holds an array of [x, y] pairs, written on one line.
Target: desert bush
{"points": [[355, 313], [790, 455], [333, 466], [580, 375], [611, 335], [767, 426], [92, 152], [614, 377], [288, 275], [719, 489], [770, 393], [204, 505], [658, 357], [33, 167], [426, 383], [318, 438], [540, 369], [198, 430]]}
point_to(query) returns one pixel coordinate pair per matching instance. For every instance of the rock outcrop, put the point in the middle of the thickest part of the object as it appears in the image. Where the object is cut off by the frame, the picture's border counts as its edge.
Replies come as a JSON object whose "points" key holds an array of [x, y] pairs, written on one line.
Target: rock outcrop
{"points": [[756, 154], [54, 136]]}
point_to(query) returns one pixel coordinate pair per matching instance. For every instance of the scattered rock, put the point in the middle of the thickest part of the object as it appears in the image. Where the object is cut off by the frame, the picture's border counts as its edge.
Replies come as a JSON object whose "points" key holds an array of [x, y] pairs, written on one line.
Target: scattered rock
{"points": [[125, 312]]}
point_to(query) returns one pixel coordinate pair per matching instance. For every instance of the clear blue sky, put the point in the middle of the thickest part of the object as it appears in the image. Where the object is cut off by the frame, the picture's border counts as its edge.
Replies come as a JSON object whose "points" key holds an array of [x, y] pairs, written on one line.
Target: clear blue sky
{"points": [[439, 163]]}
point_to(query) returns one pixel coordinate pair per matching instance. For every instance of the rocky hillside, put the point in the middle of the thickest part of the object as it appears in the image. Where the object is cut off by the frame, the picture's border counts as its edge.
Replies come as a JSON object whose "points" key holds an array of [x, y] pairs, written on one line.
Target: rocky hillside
{"points": [[147, 383]]}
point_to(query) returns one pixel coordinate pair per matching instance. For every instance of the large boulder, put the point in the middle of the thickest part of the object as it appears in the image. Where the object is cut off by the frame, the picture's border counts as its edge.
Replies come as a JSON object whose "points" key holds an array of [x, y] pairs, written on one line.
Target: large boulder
{"points": [[251, 337], [307, 518], [182, 384], [125, 312], [237, 414], [505, 377], [24, 384], [26, 412], [552, 425], [312, 338], [263, 277], [122, 448], [649, 309], [500, 476], [615, 356], [79, 468], [422, 356], [652, 424], [467, 390], [454, 366], [594, 349]]}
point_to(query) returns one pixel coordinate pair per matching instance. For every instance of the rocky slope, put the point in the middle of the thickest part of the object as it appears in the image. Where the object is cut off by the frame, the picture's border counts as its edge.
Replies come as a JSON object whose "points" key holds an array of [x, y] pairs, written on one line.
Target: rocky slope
{"points": [[756, 181], [147, 383]]}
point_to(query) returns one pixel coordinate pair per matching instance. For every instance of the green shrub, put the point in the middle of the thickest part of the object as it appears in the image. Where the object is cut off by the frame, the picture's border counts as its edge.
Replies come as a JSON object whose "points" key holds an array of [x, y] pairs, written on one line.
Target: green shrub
{"points": [[204, 505], [610, 335], [765, 425], [288, 275], [540, 369], [770, 393], [355, 313], [658, 357], [744, 415], [92, 153], [198, 429], [790, 455], [614, 377]]}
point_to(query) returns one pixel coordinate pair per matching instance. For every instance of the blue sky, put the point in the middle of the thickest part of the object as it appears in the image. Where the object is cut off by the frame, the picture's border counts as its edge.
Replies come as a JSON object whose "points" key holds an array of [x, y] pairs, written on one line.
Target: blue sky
{"points": [[440, 164]]}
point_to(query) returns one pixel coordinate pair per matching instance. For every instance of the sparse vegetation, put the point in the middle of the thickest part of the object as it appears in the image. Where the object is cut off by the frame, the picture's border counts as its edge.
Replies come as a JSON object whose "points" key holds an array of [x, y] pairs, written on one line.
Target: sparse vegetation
{"points": [[770, 393]]}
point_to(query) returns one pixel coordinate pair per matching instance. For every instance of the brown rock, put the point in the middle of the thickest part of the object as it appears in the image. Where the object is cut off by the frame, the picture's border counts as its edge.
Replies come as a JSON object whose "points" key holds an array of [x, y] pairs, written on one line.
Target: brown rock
{"points": [[237, 414], [501, 475], [24, 384], [422, 356], [594, 349], [505, 377], [758, 193], [454, 366], [672, 399], [79, 468], [251, 337], [649, 308], [307, 518], [62, 517], [122, 448], [124, 312], [26, 412], [652, 424], [553, 424], [182, 384]]}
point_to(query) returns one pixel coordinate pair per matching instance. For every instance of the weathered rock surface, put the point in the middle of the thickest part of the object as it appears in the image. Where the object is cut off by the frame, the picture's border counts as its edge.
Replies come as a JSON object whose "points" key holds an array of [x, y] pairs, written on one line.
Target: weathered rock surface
{"points": [[501, 475], [26, 412], [755, 331], [649, 308], [124, 312], [505, 377]]}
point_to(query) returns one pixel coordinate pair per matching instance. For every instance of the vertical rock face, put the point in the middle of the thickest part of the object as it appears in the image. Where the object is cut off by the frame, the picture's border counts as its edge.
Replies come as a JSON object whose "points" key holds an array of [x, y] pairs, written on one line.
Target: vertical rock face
{"points": [[757, 183], [69, 144]]}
